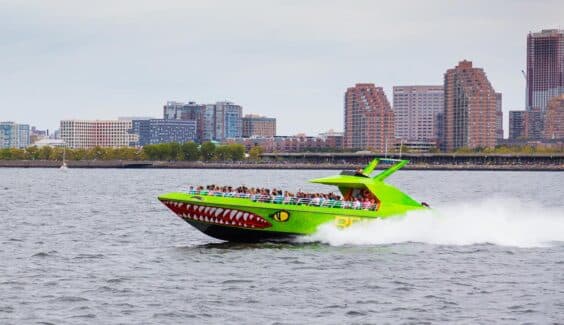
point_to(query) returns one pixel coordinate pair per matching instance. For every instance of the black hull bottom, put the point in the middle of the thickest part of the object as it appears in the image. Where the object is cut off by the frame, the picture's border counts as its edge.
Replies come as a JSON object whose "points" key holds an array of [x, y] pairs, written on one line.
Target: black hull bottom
{"points": [[240, 235]]}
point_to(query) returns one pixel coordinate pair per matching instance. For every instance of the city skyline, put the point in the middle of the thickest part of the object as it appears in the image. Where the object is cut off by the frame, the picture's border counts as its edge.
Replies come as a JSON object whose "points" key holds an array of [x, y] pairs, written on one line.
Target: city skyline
{"points": [[64, 61]]}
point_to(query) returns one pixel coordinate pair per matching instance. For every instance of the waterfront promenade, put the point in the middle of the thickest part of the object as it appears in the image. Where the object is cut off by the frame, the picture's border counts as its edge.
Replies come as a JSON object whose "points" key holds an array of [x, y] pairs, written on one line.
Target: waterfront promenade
{"points": [[538, 162]]}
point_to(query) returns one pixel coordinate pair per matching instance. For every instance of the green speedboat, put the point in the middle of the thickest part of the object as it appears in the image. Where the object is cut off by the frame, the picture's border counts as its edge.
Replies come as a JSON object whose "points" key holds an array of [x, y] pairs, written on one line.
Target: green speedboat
{"points": [[230, 217]]}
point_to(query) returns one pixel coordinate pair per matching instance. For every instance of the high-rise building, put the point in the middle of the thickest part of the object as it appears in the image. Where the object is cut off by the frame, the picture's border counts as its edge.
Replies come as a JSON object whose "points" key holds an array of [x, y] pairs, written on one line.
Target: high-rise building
{"points": [[258, 126], [498, 117], [470, 108], [554, 122], [89, 134], [517, 128], [157, 131], [440, 127], [202, 114], [174, 110], [369, 119], [545, 67], [534, 124], [526, 125], [14, 135], [416, 109], [228, 121], [206, 123], [218, 121]]}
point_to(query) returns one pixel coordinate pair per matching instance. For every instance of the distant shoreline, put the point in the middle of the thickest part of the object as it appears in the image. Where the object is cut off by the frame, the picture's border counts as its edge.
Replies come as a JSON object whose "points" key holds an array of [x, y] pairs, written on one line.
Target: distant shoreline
{"points": [[245, 165]]}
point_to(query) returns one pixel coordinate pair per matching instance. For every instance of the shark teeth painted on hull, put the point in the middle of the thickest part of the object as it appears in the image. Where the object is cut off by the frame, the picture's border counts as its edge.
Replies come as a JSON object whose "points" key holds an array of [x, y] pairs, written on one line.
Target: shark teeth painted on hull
{"points": [[219, 216]]}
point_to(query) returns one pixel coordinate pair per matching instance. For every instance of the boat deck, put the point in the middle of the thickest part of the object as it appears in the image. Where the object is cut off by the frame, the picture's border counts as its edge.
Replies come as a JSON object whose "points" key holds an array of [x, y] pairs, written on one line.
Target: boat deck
{"points": [[289, 200]]}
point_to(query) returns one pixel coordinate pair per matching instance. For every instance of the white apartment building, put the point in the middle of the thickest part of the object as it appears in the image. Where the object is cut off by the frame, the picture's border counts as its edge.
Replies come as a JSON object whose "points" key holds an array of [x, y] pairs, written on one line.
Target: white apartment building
{"points": [[89, 134], [415, 111]]}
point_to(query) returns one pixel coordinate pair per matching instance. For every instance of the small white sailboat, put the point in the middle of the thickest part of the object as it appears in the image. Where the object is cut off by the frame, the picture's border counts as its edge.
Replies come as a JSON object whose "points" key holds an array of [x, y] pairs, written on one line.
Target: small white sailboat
{"points": [[64, 165]]}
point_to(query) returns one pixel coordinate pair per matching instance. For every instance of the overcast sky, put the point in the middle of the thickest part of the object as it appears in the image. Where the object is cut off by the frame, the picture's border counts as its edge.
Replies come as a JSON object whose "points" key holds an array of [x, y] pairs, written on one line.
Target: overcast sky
{"points": [[292, 60]]}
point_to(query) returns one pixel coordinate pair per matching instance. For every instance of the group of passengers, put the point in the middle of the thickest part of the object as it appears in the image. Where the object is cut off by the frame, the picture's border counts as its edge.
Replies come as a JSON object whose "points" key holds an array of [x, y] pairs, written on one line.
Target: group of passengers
{"points": [[355, 198], [362, 197]]}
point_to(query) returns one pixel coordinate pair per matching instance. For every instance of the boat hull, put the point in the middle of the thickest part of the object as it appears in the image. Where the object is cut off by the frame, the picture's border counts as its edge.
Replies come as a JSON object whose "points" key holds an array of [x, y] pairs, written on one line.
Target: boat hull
{"points": [[240, 235], [244, 220]]}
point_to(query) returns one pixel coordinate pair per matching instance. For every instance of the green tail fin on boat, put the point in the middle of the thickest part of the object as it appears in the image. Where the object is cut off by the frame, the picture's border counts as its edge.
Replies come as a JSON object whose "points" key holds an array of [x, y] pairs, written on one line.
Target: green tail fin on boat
{"points": [[370, 167], [399, 163]]}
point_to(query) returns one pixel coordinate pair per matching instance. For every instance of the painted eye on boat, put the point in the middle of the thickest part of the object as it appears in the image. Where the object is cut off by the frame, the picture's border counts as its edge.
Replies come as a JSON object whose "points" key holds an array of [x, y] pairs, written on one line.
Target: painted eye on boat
{"points": [[281, 216]]}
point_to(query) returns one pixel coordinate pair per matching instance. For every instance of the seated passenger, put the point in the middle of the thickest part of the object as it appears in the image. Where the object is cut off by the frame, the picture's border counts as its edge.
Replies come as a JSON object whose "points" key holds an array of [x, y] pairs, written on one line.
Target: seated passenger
{"points": [[356, 204], [316, 200]]}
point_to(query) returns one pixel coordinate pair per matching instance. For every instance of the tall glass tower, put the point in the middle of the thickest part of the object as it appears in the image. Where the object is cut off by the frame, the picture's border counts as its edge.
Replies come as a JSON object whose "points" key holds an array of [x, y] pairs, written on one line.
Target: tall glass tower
{"points": [[545, 68]]}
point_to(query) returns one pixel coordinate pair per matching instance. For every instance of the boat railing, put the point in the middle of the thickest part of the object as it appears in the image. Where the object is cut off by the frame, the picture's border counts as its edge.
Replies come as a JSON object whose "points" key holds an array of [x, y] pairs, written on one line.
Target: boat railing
{"points": [[291, 200]]}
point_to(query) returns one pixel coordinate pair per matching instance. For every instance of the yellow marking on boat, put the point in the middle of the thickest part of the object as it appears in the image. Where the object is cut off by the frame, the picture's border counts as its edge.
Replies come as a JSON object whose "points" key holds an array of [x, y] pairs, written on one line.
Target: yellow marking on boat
{"points": [[345, 222]]}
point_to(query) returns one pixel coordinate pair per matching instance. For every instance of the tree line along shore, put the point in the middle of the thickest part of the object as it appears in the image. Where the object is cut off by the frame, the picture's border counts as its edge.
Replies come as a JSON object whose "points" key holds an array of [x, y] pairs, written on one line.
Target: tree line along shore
{"points": [[208, 151], [188, 151], [210, 155]]}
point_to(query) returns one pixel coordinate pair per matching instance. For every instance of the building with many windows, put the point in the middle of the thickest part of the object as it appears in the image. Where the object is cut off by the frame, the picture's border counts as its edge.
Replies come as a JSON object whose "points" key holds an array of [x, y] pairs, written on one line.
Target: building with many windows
{"points": [[258, 126], [526, 124], [202, 114], [155, 131], [89, 134], [470, 118], [517, 124], [173, 110], [545, 67], [554, 123], [499, 117], [14, 135], [228, 121], [218, 121], [416, 109], [332, 139], [369, 119], [295, 143]]}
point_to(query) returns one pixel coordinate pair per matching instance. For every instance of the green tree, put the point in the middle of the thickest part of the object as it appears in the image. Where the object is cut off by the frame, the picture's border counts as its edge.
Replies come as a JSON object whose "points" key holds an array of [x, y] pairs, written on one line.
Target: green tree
{"points": [[97, 153], [77, 154], [175, 151], [58, 153], [140, 154], [45, 153], [155, 152], [222, 153], [165, 151], [464, 150], [150, 152], [5, 154], [32, 153], [17, 154], [237, 151], [207, 149], [255, 152], [190, 151]]}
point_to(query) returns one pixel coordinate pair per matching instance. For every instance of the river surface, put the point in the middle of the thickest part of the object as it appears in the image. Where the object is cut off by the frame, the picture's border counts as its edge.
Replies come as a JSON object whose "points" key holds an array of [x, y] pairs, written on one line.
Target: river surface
{"points": [[95, 246]]}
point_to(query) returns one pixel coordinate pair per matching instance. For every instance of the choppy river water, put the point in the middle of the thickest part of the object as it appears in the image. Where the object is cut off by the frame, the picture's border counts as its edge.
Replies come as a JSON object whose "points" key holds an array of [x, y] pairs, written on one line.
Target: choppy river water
{"points": [[95, 246]]}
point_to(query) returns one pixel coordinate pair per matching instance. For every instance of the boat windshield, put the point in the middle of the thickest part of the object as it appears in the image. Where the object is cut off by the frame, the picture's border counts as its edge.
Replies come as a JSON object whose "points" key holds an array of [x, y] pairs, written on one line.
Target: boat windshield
{"points": [[361, 194]]}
